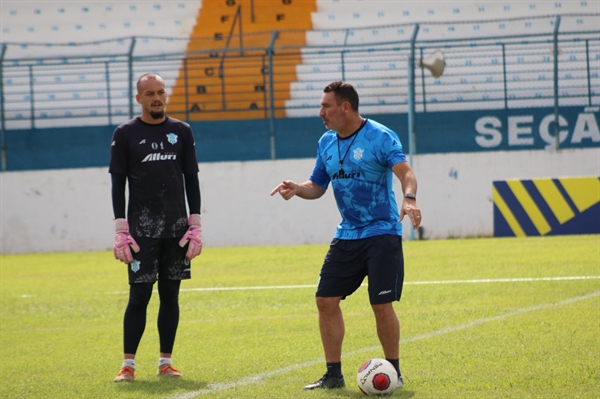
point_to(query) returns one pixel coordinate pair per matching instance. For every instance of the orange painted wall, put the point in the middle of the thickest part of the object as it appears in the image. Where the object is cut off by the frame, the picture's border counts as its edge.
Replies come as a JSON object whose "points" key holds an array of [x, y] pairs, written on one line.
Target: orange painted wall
{"points": [[244, 86]]}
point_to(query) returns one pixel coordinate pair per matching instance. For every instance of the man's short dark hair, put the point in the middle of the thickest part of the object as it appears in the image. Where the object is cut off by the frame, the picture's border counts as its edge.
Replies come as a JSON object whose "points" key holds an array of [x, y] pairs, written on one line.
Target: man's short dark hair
{"points": [[343, 92]]}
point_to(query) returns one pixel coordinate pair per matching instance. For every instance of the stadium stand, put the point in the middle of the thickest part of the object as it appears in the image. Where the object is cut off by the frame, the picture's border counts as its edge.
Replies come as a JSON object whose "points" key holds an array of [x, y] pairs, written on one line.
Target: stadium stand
{"points": [[69, 22], [71, 63], [332, 14], [69, 48], [348, 33], [230, 81], [220, 72]]}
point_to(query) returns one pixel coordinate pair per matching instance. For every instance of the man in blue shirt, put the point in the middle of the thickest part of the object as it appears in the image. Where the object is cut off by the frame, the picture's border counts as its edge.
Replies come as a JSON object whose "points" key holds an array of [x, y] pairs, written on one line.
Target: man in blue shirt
{"points": [[359, 157]]}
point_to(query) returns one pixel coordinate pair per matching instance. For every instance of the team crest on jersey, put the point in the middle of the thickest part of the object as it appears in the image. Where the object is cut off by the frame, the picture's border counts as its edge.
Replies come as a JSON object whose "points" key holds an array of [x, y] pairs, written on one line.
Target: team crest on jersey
{"points": [[135, 266], [172, 138], [358, 153]]}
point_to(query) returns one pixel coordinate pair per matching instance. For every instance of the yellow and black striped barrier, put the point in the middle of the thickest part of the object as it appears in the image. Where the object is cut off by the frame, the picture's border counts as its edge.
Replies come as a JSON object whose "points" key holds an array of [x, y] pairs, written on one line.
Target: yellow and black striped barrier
{"points": [[538, 207]]}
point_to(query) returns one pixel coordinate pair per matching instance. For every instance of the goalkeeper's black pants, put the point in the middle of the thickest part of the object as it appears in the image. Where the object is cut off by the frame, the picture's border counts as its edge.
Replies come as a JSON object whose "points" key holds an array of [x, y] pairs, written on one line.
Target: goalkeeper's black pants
{"points": [[134, 321]]}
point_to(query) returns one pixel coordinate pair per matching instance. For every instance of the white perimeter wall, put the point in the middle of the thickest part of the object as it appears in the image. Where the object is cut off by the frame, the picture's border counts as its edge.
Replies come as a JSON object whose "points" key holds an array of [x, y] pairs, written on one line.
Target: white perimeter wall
{"points": [[70, 210]]}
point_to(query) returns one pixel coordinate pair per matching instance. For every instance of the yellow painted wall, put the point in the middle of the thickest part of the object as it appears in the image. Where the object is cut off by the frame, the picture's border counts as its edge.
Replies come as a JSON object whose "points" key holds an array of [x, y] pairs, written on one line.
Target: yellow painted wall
{"points": [[545, 206]]}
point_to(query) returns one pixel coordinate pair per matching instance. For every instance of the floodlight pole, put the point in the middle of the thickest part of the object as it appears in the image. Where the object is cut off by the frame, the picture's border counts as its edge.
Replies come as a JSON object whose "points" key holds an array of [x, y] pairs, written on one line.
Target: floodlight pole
{"points": [[411, 104], [2, 111], [556, 116], [411, 95], [272, 95], [131, 77]]}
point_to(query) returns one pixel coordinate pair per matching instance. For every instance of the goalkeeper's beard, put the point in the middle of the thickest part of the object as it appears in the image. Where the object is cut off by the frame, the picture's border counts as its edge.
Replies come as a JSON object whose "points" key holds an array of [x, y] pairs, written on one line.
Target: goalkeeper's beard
{"points": [[157, 114]]}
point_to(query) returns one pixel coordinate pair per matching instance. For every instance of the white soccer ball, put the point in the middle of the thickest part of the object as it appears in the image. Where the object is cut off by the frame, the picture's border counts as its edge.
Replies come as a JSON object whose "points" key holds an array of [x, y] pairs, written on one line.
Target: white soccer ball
{"points": [[377, 377]]}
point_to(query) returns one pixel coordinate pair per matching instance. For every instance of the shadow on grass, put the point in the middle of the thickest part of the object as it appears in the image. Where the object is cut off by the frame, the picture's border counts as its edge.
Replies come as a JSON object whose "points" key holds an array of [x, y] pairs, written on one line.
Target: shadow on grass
{"points": [[397, 394], [347, 393], [166, 386], [161, 385]]}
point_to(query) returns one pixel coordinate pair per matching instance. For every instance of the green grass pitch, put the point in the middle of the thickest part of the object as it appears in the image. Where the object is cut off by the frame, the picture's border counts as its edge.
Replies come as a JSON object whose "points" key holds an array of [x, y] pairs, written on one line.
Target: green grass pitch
{"points": [[481, 318]]}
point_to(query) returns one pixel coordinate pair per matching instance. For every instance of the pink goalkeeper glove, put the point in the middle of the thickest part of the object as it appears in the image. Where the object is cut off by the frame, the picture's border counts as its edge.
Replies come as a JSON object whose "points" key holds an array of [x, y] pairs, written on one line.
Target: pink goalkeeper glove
{"points": [[193, 236], [124, 240]]}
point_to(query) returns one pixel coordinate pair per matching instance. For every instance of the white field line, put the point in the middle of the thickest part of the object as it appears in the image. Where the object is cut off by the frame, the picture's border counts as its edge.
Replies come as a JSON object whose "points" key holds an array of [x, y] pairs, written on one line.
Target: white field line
{"points": [[258, 378], [477, 281], [439, 282]]}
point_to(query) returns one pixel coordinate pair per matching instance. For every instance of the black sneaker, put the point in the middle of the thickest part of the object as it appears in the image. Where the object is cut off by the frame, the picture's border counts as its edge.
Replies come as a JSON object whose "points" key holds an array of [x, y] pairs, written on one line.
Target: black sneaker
{"points": [[327, 381]]}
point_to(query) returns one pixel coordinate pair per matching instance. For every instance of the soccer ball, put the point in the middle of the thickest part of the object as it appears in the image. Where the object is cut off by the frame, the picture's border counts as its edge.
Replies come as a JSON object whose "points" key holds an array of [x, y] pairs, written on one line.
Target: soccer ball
{"points": [[377, 377]]}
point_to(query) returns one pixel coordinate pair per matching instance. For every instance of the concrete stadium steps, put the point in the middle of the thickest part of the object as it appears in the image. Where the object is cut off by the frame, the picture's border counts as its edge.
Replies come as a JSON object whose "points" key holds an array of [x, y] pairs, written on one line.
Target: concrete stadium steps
{"points": [[207, 74], [241, 101], [250, 43], [332, 14], [68, 21], [246, 85], [218, 19], [58, 12], [235, 89], [235, 70], [212, 115], [252, 101], [345, 30], [215, 20], [69, 90]]}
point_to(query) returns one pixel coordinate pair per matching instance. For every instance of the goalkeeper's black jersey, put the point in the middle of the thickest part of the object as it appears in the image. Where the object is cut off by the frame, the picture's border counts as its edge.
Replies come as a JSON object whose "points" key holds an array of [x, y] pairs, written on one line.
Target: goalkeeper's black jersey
{"points": [[154, 158]]}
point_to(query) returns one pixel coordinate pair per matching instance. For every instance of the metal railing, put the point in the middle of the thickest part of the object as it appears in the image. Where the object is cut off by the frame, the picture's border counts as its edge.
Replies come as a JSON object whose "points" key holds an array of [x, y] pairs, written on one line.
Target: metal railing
{"points": [[92, 84]]}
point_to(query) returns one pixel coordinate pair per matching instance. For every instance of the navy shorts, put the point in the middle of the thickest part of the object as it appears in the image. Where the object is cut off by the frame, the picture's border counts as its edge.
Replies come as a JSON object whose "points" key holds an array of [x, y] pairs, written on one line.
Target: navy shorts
{"points": [[348, 262], [159, 258]]}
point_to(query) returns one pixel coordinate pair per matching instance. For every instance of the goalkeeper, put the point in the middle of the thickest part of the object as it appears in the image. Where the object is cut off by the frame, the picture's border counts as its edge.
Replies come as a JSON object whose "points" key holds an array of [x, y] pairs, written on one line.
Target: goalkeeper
{"points": [[157, 240]]}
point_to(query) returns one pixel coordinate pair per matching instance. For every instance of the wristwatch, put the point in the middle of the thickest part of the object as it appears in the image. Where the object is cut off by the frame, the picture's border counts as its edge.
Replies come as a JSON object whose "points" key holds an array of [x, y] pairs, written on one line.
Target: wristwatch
{"points": [[411, 196]]}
